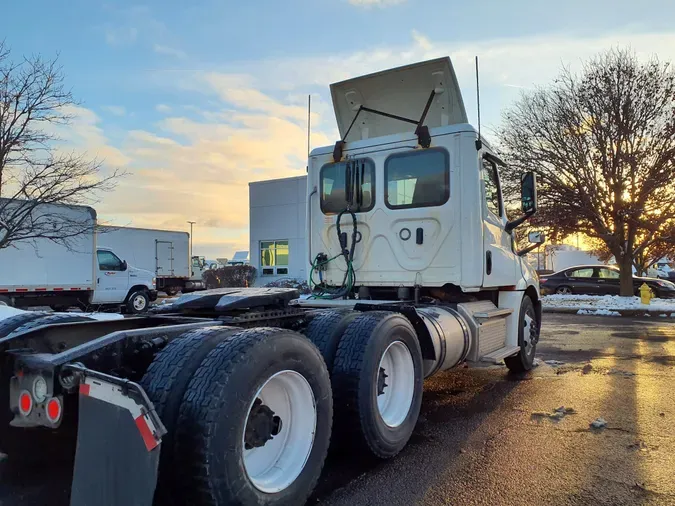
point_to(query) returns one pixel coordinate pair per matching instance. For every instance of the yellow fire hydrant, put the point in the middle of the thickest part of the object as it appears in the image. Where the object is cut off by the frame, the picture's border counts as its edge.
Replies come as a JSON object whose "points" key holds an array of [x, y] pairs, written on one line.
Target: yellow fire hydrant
{"points": [[646, 294]]}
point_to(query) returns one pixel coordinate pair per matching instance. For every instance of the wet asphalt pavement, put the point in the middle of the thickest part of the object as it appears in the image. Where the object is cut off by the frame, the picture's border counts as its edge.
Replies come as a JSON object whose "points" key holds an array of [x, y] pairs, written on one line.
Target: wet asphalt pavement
{"points": [[487, 438]]}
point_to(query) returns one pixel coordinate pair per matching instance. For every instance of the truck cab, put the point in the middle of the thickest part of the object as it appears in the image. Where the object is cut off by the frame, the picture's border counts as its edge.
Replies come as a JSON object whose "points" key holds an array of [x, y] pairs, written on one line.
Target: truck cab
{"points": [[118, 282], [428, 214]]}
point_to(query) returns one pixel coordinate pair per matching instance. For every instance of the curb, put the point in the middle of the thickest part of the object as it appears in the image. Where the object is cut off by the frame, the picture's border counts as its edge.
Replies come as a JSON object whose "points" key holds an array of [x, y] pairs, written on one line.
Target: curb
{"points": [[622, 312]]}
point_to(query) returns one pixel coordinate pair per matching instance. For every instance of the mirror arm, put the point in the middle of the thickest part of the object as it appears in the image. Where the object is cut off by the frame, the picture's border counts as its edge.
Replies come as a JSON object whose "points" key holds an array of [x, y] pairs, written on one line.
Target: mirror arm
{"points": [[525, 251], [518, 221]]}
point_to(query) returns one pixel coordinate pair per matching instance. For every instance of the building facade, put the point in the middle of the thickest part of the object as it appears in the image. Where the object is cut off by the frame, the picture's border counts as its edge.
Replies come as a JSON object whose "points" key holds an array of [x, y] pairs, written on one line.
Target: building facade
{"points": [[277, 210]]}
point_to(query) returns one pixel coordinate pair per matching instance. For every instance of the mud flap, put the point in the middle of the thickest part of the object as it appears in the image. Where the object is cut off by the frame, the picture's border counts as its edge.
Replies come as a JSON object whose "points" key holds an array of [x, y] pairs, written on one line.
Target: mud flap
{"points": [[118, 446]]}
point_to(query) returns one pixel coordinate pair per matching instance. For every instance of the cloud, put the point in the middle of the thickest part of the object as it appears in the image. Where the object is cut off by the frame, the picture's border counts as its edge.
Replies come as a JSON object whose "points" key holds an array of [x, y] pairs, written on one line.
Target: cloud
{"points": [[85, 135], [423, 42], [120, 35], [250, 123], [116, 110], [169, 51], [376, 3]]}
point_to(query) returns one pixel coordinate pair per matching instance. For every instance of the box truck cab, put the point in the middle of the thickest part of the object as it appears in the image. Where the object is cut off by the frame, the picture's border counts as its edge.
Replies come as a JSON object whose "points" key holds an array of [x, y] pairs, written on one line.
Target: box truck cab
{"points": [[118, 282]]}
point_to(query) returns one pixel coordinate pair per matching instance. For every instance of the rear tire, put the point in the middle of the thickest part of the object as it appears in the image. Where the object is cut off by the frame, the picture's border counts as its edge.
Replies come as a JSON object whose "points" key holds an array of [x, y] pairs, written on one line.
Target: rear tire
{"points": [[50, 319], [326, 329], [218, 409], [377, 402], [528, 336], [166, 381], [8, 325]]}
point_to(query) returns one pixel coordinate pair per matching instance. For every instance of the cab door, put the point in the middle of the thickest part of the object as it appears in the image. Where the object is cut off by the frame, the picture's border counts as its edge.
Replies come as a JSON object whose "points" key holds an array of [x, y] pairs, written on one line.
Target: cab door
{"points": [[499, 258], [112, 279]]}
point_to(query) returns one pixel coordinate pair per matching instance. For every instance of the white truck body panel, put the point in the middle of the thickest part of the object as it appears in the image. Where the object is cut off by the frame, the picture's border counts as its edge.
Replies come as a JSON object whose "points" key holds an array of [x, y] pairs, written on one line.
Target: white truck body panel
{"points": [[43, 265], [164, 252]]}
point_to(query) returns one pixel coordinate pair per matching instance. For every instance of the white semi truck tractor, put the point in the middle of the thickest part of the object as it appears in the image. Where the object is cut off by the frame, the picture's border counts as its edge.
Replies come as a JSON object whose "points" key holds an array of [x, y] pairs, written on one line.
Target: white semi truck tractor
{"points": [[233, 396]]}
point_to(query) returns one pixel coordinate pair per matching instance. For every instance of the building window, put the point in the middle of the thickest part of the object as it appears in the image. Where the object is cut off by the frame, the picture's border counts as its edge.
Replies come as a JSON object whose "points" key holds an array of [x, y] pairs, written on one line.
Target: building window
{"points": [[274, 257], [417, 179]]}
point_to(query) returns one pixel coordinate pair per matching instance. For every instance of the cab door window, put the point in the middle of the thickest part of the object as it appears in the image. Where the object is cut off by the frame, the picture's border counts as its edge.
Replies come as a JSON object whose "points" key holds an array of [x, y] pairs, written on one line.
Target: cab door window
{"points": [[493, 198], [108, 261]]}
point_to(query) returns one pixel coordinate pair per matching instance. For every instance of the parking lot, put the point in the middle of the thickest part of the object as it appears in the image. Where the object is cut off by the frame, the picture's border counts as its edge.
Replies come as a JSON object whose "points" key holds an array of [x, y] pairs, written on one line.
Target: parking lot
{"points": [[485, 437]]}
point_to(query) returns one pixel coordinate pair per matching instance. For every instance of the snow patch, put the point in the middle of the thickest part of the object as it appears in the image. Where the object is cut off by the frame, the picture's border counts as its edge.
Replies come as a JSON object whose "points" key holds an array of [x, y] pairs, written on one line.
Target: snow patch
{"points": [[606, 303], [104, 316], [7, 312], [599, 312]]}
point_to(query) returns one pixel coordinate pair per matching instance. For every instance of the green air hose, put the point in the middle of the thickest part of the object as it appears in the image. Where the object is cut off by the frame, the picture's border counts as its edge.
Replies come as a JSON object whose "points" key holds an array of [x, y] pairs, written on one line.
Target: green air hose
{"points": [[349, 279]]}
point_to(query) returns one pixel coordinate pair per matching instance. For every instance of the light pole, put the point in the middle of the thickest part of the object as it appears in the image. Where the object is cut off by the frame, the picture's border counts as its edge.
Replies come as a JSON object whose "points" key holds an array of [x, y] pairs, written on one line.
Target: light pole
{"points": [[191, 223]]}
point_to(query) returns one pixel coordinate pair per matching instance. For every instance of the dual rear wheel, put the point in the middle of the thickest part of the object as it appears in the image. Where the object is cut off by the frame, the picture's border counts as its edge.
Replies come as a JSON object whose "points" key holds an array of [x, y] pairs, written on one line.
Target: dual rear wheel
{"points": [[248, 413], [376, 375]]}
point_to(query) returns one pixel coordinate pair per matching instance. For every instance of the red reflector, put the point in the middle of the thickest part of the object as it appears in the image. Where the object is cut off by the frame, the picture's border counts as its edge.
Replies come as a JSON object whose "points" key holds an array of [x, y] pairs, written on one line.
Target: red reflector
{"points": [[54, 410], [25, 403]]}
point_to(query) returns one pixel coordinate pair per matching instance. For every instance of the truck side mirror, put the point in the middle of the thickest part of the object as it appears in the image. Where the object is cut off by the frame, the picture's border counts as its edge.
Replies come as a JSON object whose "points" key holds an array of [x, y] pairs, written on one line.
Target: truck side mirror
{"points": [[528, 192], [528, 199], [124, 265]]}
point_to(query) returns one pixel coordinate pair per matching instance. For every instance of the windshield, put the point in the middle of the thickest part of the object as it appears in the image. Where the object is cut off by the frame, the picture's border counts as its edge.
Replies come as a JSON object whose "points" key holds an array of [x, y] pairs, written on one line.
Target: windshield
{"points": [[333, 199]]}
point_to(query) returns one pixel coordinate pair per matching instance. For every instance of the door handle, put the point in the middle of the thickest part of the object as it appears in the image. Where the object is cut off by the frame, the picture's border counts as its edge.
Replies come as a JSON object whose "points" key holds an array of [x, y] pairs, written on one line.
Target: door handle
{"points": [[488, 262], [98, 280]]}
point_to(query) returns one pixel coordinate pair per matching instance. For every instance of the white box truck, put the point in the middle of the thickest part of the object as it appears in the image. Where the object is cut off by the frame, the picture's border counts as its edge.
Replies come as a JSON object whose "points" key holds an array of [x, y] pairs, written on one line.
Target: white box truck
{"points": [[42, 272], [164, 252]]}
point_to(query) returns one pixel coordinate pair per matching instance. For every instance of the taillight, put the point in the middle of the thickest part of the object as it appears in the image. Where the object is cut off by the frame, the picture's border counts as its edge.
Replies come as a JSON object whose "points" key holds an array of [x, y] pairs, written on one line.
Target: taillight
{"points": [[25, 403], [54, 410], [543, 280]]}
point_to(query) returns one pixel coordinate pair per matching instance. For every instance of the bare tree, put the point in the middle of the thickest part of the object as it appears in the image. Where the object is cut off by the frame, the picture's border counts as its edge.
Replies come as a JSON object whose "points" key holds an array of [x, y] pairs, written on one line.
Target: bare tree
{"points": [[603, 145], [34, 174]]}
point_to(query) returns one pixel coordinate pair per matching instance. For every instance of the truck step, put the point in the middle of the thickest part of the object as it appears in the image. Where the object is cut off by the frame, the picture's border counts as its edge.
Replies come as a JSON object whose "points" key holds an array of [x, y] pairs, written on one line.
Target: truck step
{"points": [[497, 356], [493, 313]]}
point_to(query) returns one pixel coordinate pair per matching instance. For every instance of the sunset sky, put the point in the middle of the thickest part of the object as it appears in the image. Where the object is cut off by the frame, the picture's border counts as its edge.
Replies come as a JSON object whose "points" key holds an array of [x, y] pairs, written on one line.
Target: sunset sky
{"points": [[194, 101]]}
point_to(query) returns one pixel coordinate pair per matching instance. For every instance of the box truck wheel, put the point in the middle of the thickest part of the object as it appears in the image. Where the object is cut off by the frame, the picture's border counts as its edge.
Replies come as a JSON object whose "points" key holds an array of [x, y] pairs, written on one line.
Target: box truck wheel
{"points": [[377, 383], [165, 382], [138, 302], [528, 336], [255, 422], [325, 331]]}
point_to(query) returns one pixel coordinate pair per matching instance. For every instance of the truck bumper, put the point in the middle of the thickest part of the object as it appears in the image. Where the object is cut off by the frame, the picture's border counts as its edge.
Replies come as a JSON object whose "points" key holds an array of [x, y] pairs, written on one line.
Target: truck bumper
{"points": [[153, 295]]}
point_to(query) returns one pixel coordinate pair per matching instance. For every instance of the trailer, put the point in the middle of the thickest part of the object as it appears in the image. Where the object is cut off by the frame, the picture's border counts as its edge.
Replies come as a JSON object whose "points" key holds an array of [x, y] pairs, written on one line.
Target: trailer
{"points": [[233, 396], [164, 252], [76, 272]]}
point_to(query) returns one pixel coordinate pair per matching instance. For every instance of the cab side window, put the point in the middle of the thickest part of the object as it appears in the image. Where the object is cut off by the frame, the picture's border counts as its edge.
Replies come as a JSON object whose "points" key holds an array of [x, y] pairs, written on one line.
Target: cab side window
{"points": [[492, 195], [108, 261]]}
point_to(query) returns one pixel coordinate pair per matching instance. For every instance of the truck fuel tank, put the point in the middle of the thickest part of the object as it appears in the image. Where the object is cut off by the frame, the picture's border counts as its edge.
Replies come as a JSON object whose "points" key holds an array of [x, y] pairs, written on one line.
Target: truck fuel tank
{"points": [[450, 336]]}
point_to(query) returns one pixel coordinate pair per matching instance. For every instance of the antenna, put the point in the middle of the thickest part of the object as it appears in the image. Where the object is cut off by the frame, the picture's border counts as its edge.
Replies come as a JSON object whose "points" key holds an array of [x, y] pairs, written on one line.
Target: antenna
{"points": [[479, 141], [309, 126]]}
